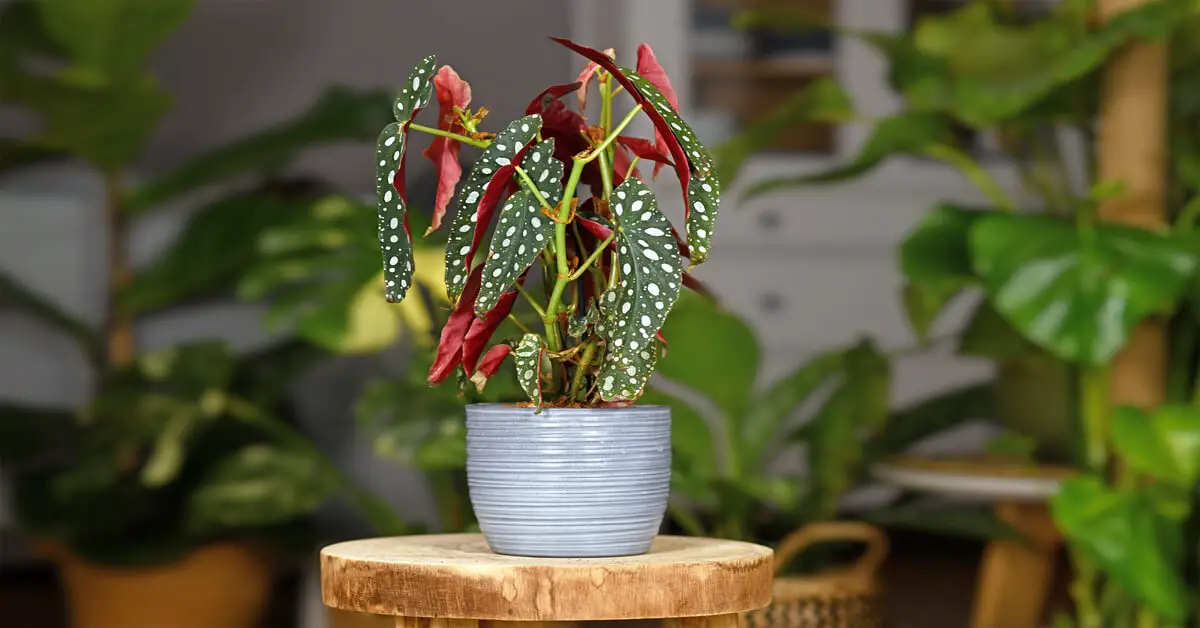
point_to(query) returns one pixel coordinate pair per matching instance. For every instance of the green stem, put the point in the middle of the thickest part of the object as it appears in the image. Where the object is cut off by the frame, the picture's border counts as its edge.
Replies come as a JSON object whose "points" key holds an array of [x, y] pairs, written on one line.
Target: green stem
{"points": [[581, 369], [606, 175], [377, 513], [521, 326], [550, 316], [1083, 594], [533, 188], [1094, 418], [1189, 215], [532, 302], [613, 135], [606, 121], [454, 136], [592, 258]]}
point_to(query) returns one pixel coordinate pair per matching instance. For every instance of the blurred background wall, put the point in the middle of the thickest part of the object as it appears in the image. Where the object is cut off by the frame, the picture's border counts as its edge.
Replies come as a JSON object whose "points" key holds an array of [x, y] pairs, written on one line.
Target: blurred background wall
{"points": [[236, 66]]}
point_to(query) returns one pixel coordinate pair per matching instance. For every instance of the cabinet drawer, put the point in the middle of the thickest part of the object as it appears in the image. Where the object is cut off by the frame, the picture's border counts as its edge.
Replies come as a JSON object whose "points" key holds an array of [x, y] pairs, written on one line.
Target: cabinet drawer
{"points": [[819, 302]]}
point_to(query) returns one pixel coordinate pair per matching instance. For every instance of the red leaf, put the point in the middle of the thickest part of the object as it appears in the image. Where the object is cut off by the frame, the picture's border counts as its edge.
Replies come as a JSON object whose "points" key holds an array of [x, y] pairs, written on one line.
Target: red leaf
{"points": [[585, 77], [660, 124], [599, 231], [645, 149], [549, 95], [482, 328], [649, 68], [450, 345], [495, 194], [493, 358], [452, 92]]}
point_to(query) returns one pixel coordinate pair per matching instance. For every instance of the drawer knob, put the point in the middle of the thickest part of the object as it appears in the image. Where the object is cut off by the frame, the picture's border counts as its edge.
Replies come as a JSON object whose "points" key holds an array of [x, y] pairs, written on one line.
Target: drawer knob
{"points": [[770, 220]]}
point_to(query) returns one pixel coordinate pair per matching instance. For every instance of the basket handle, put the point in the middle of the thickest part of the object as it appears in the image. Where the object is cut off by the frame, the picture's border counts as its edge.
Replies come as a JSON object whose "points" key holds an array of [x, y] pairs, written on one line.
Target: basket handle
{"points": [[867, 564]]}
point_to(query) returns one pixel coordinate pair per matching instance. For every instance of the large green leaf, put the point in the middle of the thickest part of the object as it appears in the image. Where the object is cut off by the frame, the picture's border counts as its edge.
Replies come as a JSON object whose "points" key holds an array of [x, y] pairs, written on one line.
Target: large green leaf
{"points": [[105, 125], [766, 422], [906, 133], [17, 296], [1165, 445], [936, 263], [822, 101], [713, 352], [858, 408], [522, 230], [1130, 542], [636, 306], [462, 237], [112, 37], [260, 485], [218, 243], [1078, 292], [341, 114], [989, 335], [23, 38]]}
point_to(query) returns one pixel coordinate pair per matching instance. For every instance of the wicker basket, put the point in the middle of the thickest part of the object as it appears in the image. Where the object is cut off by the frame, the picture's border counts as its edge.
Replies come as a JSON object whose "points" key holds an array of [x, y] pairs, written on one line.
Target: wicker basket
{"points": [[842, 598]]}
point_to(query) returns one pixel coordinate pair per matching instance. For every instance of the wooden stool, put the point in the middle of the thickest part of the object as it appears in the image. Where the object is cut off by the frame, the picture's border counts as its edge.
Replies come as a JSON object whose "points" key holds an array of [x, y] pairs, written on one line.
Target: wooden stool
{"points": [[455, 581], [1014, 577]]}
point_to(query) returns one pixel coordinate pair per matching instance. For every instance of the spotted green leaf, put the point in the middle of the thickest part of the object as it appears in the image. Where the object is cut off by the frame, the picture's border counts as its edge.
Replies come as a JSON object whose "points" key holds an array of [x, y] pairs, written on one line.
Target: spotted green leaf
{"points": [[528, 359], [636, 306], [394, 239], [704, 200], [578, 324], [701, 160], [703, 188], [416, 92], [462, 240], [522, 230]]}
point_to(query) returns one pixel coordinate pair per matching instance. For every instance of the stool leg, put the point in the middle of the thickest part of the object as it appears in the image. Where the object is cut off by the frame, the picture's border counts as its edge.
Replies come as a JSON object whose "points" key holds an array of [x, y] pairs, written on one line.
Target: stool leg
{"points": [[732, 620], [1015, 577]]}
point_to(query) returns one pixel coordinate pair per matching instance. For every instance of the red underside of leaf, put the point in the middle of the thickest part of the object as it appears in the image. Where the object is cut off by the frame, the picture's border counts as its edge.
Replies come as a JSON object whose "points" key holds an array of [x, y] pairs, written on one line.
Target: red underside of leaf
{"points": [[491, 361], [663, 339], [495, 194], [452, 92], [550, 94], [645, 149], [695, 285], [596, 229], [450, 345], [660, 124], [481, 329]]}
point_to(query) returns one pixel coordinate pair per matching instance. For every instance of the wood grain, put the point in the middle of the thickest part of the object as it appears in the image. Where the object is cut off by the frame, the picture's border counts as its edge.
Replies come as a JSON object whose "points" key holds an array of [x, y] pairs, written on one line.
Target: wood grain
{"points": [[456, 576]]}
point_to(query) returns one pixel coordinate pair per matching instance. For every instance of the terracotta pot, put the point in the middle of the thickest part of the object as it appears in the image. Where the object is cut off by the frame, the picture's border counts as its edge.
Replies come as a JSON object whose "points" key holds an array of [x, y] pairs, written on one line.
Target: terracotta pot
{"points": [[223, 585], [836, 598]]}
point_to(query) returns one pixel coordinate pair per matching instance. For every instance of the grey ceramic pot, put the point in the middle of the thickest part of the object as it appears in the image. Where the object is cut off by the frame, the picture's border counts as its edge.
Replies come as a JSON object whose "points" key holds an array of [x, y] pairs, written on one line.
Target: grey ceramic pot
{"points": [[569, 482]]}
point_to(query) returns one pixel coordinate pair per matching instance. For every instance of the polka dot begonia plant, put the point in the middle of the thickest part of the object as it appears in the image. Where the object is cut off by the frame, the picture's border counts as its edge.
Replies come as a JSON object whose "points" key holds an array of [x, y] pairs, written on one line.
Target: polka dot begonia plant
{"points": [[608, 263]]}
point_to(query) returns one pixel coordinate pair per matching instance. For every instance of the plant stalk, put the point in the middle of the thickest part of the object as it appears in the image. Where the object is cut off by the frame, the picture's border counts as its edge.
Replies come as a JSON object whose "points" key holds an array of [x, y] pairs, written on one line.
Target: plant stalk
{"points": [[581, 369], [1094, 418], [120, 348], [470, 141]]}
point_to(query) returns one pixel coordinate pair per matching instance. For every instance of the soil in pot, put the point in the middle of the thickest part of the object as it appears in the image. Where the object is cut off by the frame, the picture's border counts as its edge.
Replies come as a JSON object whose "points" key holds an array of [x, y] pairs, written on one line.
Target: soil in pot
{"points": [[223, 585], [569, 482]]}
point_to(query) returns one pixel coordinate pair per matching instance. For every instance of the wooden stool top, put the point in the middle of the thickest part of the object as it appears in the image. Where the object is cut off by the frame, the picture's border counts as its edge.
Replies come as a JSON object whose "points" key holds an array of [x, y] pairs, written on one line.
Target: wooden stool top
{"points": [[456, 576]]}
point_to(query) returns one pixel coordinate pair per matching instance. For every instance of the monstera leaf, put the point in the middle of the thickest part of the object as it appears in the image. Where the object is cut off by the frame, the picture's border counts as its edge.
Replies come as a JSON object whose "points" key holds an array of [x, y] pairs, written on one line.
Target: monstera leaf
{"points": [[394, 235], [1077, 292], [466, 232], [936, 263], [1128, 539], [1165, 446], [524, 227], [636, 306]]}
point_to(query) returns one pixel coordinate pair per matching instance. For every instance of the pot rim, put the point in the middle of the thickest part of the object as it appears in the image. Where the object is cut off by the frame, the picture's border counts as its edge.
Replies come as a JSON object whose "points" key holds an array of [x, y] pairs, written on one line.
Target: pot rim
{"points": [[644, 407]]}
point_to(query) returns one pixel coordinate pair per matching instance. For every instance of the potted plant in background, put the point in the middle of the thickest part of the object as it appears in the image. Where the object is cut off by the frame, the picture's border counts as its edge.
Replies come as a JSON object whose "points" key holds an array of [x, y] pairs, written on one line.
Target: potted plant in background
{"points": [[577, 470], [1057, 281], [735, 476], [162, 499]]}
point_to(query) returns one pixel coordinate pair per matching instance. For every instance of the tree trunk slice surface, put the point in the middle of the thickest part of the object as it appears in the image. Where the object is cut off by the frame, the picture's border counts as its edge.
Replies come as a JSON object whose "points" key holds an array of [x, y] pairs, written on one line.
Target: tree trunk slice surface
{"points": [[456, 576]]}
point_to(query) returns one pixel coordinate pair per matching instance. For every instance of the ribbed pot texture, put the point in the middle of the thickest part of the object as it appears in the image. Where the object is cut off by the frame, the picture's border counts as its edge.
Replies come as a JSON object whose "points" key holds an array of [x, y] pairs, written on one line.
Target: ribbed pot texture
{"points": [[569, 482]]}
